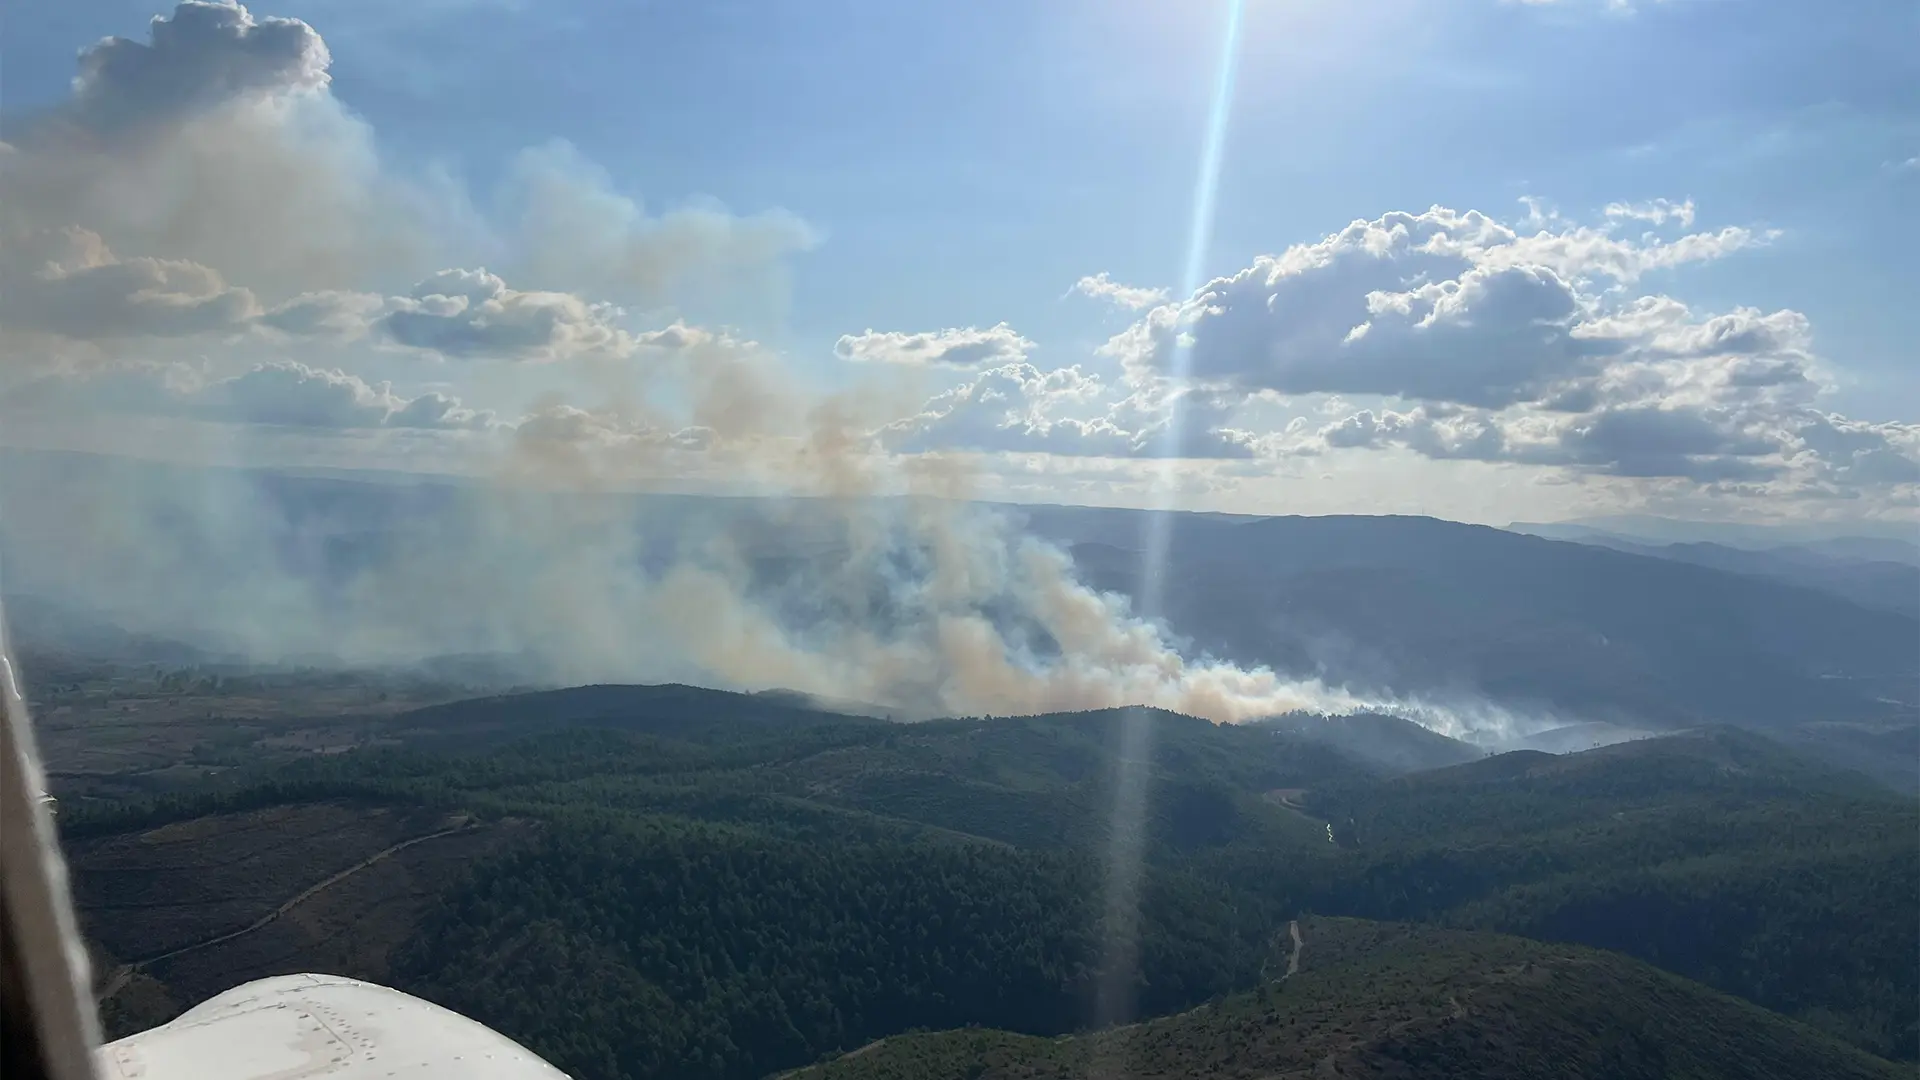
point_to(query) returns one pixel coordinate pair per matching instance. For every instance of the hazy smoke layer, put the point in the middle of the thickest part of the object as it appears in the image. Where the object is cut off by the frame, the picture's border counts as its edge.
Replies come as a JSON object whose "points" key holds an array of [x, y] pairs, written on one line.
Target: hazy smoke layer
{"points": [[919, 603], [205, 237], [874, 579]]}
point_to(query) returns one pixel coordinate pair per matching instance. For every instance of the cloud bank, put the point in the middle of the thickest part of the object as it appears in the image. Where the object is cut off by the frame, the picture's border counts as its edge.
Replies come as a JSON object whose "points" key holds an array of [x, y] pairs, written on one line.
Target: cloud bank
{"points": [[219, 142]]}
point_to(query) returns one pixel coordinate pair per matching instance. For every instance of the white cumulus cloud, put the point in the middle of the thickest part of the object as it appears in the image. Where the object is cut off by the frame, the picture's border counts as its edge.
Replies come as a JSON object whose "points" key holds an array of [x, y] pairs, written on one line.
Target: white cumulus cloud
{"points": [[957, 347], [1132, 297], [67, 282], [1657, 211], [219, 141], [1017, 408], [281, 393], [1441, 305], [472, 313]]}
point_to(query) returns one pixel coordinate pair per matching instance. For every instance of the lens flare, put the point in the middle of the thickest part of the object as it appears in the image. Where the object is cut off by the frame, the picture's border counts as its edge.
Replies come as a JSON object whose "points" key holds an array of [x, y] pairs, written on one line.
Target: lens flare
{"points": [[1115, 1000]]}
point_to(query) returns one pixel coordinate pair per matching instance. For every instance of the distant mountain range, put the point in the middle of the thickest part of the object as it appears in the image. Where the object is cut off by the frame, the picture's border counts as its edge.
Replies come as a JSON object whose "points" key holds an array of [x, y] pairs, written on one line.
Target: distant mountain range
{"points": [[1875, 571], [1862, 537], [1642, 635], [1575, 631]]}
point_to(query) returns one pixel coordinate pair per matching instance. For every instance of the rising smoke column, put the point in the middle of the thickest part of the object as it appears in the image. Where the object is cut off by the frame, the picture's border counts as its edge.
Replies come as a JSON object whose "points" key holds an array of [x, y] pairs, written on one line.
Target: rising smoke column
{"points": [[203, 204]]}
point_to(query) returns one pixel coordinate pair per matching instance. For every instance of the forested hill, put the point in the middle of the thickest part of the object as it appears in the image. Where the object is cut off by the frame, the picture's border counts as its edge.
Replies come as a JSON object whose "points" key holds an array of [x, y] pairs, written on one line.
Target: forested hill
{"points": [[670, 882], [1373, 1001], [675, 711]]}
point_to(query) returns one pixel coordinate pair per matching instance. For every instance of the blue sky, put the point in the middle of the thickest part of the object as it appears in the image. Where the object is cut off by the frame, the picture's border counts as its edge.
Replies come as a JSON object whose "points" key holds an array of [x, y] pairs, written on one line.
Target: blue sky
{"points": [[963, 165]]}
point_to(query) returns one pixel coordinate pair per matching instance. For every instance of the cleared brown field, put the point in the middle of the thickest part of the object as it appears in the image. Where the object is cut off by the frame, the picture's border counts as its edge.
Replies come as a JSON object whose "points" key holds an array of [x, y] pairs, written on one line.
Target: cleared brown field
{"points": [[178, 913], [117, 740]]}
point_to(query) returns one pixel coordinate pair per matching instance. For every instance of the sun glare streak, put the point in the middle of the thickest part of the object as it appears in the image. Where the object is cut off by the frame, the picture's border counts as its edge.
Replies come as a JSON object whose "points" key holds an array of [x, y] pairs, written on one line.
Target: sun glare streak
{"points": [[1200, 231], [1115, 998]]}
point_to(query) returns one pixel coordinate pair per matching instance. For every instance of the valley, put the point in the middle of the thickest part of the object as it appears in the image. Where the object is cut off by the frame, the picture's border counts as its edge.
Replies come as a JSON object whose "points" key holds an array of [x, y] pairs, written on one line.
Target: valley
{"points": [[629, 878]]}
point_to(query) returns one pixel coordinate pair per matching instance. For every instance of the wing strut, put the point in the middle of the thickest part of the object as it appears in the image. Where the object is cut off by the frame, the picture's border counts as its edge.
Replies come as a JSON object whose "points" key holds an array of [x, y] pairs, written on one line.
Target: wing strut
{"points": [[48, 1027]]}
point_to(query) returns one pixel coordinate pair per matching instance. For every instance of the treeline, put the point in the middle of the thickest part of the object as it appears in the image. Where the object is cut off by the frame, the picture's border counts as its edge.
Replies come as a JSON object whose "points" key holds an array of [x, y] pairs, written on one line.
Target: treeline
{"points": [[1390, 1001], [666, 948], [494, 780], [1791, 887], [1829, 938], [728, 902]]}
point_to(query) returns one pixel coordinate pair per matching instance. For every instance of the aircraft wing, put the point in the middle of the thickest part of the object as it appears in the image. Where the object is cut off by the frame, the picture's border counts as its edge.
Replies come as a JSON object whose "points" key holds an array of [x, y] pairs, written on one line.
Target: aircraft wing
{"points": [[291, 1027]]}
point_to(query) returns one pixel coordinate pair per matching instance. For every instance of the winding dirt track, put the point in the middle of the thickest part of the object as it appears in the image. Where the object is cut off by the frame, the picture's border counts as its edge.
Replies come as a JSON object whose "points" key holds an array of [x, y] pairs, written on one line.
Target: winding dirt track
{"points": [[125, 971]]}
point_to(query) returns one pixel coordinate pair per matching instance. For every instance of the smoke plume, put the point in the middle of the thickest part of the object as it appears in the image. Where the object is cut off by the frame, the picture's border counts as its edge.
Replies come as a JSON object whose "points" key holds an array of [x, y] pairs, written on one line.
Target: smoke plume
{"points": [[206, 235]]}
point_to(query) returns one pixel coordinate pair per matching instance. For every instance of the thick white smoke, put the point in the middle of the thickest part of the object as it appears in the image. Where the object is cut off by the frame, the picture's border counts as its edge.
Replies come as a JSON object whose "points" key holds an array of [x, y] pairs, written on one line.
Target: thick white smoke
{"points": [[911, 601], [205, 189]]}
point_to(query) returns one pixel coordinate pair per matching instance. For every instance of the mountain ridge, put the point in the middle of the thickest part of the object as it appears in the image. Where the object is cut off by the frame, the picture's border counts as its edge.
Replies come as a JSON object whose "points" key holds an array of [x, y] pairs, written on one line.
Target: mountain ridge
{"points": [[1378, 1000]]}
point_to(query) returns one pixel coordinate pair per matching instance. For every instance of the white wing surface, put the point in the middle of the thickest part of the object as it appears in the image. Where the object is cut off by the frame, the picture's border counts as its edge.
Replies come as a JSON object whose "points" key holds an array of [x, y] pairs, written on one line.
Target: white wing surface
{"points": [[291, 1027]]}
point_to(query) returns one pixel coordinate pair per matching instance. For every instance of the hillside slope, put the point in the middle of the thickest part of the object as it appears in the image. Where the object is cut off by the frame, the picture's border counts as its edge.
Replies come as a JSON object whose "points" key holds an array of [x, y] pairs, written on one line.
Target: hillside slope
{"points": [[717, 886], [1881, 583], [1386, 743], [181, 911], [1424, 606], [1718, 855], [1377, 1000]]}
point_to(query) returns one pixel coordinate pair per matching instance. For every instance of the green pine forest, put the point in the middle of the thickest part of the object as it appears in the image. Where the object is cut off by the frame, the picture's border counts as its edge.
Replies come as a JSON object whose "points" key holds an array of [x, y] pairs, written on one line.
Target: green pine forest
{"points": [[724, 887]]}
